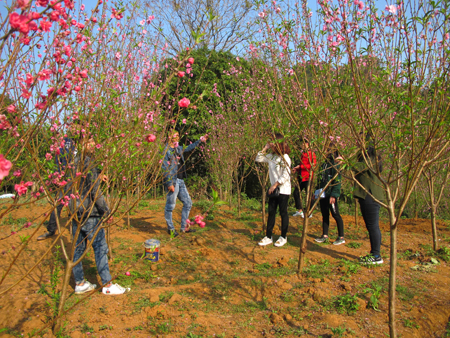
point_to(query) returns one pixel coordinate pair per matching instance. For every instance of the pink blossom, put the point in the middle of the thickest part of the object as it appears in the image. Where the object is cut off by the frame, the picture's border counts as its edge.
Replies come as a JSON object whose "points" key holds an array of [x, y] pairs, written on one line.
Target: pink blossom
{"points": [[116, 14], [4, 123], [22, 187], [45, 25], [42, 3], [5, 167], [184, 121], [262, 15], [180, 74], [23, 4], [118, 56], [48, 156], [191, 61], [84, 73], [184, 102], [17, 173], [20, 22], [392, 9], [150, 19], [150, 138], [291, 72]]}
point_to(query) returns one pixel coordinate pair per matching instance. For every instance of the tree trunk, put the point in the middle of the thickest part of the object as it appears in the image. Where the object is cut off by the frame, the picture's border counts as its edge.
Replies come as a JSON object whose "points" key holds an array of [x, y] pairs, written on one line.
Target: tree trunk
{"points": [[301, 257], [433, 228], [59, 320], [128, 210], [392, 272]]}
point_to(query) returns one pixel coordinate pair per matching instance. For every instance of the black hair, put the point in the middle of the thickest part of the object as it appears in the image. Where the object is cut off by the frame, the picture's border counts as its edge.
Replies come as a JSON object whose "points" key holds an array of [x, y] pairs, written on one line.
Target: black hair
{"points": [[371, 152]]}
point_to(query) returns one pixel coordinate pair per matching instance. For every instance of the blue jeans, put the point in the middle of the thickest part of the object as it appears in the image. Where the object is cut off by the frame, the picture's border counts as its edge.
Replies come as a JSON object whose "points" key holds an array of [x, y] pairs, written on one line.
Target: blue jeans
{"points": [[100, 249], [183, 195]]}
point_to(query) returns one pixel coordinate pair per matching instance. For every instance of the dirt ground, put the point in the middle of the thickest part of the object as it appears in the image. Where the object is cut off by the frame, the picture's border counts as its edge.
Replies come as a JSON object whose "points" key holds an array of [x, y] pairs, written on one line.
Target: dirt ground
{"points": [[218, 282]]}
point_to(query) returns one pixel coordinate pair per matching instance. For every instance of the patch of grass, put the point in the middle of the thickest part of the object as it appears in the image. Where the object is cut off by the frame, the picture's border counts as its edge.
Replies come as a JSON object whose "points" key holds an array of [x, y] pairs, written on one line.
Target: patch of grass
{"points": [[250, 306], [375, 294], [105, 327], [320, 270], [164, 297], [346, 303], [350, 267], [338, 331], [127, 281], [354, 245], [252, 204], [248, 216], [143, 204], [141, 303], [263, 266], [410, 323], [288, 296], [404, 293], [85, 328]]}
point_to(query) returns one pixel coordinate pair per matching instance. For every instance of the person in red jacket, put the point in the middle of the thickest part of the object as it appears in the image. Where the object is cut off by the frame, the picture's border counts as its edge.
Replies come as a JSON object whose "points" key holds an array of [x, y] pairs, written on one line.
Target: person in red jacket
{"points": [[305, 173]]}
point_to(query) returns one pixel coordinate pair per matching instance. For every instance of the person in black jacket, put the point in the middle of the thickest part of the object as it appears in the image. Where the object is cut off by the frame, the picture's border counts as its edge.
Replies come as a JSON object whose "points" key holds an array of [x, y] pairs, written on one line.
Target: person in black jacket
{"points": [[330, 175], [91, 209], [65, 157]]}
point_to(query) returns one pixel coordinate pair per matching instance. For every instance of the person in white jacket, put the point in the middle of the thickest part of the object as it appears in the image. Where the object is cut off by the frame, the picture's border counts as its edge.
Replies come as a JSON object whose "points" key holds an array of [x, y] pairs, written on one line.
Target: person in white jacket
{"points": [[280, 177]]}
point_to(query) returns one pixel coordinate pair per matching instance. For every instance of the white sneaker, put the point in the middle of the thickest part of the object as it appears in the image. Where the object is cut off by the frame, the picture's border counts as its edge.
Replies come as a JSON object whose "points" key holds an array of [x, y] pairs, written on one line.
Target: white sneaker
{"points": [[299, 213], [115, 289], [86, 287], [265, 241], [281, 241]]}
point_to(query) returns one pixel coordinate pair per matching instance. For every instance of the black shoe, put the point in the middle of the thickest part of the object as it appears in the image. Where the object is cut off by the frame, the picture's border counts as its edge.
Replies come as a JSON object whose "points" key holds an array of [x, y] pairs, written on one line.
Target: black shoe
{"points": [[188, 231], [45, 236], [322, 239], [172, 233], [370, 259]]}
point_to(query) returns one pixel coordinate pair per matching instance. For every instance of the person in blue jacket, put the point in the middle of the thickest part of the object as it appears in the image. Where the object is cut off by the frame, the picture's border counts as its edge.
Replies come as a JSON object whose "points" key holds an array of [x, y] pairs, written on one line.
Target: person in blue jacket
{"points": [[174, 173]]}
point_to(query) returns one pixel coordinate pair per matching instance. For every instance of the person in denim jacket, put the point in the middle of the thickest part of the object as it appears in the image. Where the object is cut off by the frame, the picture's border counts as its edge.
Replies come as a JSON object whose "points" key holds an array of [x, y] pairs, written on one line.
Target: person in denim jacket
{"points": [[91, 209], [174, 171]]}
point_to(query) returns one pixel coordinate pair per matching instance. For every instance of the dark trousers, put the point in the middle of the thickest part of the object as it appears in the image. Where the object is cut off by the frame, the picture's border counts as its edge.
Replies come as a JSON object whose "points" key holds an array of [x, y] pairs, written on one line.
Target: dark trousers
{"points": [[297, 194], [282, 202], [52, 225], [371, 213], [325, 208]]}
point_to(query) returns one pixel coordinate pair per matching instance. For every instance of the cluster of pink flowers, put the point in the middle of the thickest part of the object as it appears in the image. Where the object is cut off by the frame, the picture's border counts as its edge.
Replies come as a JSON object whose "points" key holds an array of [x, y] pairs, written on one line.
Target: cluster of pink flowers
{"points": [[150, 138], [4, 123], [198, 220], [116, 14], [22, 187], [184, 102], [5, 167]]}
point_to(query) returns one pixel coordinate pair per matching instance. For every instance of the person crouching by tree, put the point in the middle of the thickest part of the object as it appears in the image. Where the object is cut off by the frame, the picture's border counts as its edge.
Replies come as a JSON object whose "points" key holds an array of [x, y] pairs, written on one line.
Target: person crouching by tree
{"points": [[280, 190], [174, 171], [330, 178], [304, 172], [87, 225]]}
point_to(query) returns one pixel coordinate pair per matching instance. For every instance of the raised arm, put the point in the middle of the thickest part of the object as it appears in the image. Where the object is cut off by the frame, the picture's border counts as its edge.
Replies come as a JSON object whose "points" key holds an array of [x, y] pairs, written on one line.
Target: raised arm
{"points": [[261, 156]]}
